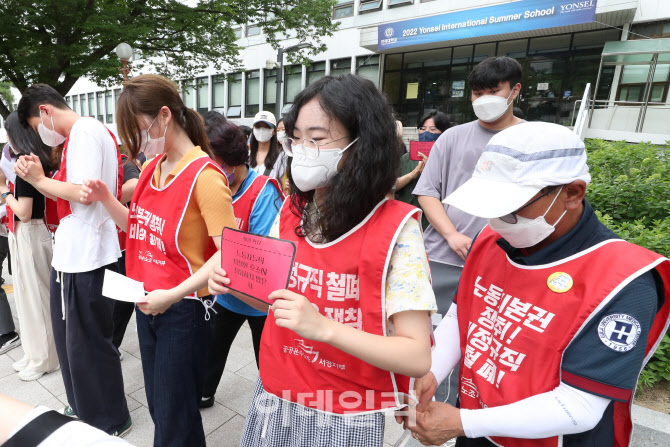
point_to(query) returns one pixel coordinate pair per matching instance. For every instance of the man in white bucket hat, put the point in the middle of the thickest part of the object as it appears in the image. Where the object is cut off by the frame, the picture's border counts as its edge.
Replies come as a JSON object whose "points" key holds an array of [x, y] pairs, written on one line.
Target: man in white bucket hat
{"points": [[555, 316]]}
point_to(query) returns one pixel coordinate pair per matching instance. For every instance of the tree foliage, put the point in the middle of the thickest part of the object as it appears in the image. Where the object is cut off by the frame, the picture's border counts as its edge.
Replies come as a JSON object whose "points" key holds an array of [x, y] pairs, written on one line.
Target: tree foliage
{"points": [[57, 42]]}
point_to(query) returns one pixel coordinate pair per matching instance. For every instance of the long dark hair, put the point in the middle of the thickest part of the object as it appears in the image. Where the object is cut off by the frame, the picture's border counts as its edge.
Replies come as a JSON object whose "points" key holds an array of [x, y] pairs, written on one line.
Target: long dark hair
{"points": [[273, 152], [145, 95], [24, 141], [371, 166]]}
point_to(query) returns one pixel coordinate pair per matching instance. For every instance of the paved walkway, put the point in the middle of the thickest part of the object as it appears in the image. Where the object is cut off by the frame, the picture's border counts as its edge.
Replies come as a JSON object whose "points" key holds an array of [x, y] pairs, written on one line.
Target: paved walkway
{"points": [[223, 422]]}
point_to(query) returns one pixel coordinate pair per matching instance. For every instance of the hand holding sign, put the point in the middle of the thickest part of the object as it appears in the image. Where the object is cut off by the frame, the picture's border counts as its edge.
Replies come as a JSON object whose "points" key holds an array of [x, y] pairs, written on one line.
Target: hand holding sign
{"points": [[255, 265], [295, 312], [419, 147]]}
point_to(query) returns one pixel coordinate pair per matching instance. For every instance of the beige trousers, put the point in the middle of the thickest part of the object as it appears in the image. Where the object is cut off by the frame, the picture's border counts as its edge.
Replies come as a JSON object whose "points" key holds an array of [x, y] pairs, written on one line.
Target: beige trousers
{"points": [[31, 251]]}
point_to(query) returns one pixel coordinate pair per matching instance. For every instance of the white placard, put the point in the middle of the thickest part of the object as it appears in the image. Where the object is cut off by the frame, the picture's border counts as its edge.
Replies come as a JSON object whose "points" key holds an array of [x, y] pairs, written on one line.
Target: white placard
{"points": [[122, 288], [542, 86]]}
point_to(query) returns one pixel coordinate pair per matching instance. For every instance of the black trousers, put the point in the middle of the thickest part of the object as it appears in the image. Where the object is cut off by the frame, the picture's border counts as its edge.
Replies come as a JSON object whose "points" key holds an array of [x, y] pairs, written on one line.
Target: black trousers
{"points": [[225, 327], [123, 311], [89, 361], [4, 253]]}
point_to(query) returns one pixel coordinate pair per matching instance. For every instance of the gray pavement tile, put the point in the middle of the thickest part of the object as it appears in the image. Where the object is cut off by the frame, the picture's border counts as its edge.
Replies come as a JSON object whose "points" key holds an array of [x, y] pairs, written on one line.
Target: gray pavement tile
{"points": [[16, 353], [133, 379], [243, 339], [29, 392], [132, 403], [142, 434], [53, 382], [392, 430], [6, 365], [235, 393], [140, 396], [130, 342], [249, 372], [228, 435], [215, 417], [238, 358], [63, 399]]}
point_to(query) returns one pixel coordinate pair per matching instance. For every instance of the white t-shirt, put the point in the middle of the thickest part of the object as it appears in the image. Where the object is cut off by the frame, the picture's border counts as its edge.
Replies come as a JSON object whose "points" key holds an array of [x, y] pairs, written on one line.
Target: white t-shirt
{"points": [[72, 434], [87, 239]]}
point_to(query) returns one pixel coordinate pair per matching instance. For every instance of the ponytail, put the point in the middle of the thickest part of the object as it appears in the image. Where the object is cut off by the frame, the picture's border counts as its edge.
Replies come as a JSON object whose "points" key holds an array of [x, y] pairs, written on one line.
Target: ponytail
{"points": [[194, 126]]}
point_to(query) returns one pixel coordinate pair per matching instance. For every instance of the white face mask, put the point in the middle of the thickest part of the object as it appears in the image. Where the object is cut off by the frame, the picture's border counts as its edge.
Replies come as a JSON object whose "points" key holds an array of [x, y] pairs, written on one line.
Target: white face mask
{"points": [[154, 146], [49, 136], [309, 174], [489, 108], [281, 136], [262, 134], [526, 232]]}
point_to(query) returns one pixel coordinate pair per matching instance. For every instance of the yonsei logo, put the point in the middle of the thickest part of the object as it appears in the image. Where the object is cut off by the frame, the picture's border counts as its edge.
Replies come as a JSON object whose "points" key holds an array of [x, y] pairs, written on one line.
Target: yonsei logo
{"points": [[388, 32], [578, 6]]}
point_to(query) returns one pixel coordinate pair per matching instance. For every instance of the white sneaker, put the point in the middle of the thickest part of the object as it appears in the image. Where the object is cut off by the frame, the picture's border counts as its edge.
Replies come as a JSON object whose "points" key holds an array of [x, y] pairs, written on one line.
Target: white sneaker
{"points": [[28, 375], [20, 365]]}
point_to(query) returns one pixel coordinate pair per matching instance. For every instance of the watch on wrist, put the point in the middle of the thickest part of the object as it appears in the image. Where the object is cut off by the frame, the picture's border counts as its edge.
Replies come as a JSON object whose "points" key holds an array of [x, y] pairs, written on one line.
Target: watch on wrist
{"points": [[5, 194]]}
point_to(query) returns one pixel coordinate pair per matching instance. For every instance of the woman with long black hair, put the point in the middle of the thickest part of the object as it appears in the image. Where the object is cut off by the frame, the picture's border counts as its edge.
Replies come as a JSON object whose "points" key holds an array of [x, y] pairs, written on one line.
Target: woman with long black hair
{"points": [[265, 153], [31, 251], [344, 340]]}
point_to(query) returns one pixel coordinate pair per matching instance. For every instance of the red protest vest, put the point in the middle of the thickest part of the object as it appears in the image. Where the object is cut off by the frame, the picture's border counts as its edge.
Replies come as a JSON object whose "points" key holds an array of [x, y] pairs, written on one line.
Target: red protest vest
{"points": [[10, 214], [152, 247], [51, 210], [345, 280], [244, 204], [516, 321]]}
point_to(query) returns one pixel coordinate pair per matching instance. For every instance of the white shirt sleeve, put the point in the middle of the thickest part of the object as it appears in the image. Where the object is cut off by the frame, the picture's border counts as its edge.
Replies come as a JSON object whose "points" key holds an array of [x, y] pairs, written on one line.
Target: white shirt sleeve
{"points": [[447, 350], [562, 411], [85, 157]]}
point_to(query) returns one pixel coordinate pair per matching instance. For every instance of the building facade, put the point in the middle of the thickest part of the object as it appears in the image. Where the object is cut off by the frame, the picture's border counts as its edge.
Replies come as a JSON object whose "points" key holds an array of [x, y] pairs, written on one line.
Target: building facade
{"points": [[429, 72]]}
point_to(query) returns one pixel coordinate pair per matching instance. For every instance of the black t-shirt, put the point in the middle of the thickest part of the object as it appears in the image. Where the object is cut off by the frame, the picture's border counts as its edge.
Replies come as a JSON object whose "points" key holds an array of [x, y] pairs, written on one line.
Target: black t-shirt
{"points": [[24, 189]]}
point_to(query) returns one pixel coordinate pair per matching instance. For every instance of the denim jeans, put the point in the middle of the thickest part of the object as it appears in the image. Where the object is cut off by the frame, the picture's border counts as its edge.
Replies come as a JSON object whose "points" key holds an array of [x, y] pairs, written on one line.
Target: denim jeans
{"points": [[174, 351]]}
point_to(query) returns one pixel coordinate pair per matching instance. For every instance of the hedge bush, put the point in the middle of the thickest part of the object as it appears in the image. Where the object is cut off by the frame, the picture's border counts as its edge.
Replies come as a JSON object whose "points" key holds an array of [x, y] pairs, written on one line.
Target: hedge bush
{"points": [[630, 191]]}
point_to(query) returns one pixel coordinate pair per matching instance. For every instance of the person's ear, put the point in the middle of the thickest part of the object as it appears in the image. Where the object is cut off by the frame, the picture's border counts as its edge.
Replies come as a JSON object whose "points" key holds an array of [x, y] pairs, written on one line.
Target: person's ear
{"points": [[574, 194], [166, 114], [516, 90]]}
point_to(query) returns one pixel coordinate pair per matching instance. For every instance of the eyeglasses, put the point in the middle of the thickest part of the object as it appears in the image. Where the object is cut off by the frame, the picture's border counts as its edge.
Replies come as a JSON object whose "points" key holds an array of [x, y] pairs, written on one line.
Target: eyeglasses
{"points": [[309, 147], [431, 129], [511, 218]]}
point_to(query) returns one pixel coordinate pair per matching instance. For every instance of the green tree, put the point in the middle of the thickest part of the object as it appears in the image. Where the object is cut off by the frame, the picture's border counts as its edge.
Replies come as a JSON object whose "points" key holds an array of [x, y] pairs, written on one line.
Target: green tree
{"points": [[57, 42], [6, 95]]}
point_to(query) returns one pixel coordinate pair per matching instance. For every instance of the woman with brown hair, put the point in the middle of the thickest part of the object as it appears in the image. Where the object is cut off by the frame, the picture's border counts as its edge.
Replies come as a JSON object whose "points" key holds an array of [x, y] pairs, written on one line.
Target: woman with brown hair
{"points": [[178, 210]]}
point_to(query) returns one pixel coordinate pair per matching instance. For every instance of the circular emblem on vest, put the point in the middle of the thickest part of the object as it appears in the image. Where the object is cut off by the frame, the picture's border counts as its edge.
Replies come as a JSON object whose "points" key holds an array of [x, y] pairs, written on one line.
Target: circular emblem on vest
{"points": [[619, 332], [559, 282]]}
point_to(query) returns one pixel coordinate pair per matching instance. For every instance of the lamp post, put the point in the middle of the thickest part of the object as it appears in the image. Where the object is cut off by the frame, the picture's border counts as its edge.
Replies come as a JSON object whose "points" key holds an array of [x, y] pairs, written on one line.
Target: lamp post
{"points": [[125, 53], [280, 73]]}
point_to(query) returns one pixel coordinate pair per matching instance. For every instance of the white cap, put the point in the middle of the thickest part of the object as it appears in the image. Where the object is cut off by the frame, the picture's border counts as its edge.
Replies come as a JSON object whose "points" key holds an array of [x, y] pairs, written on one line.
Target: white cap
{"points": [[266, 117], [516, 164]]}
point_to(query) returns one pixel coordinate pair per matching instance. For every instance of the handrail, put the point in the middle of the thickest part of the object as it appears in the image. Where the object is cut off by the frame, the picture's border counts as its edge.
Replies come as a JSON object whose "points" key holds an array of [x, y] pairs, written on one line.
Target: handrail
{"points": [[579, 125], [594, 103]]}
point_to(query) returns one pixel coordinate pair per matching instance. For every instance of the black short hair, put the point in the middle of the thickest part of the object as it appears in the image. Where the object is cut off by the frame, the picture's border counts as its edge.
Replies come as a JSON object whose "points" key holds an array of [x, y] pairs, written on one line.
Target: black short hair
{"points": [[441, 119], [492, 71], [213, 117], [228, 142], [36, 95], [246, 129]]}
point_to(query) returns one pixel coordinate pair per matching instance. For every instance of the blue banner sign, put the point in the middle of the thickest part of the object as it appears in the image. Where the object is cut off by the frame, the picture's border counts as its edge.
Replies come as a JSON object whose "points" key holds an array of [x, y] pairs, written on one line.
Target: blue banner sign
{"points": [[524, 15]]}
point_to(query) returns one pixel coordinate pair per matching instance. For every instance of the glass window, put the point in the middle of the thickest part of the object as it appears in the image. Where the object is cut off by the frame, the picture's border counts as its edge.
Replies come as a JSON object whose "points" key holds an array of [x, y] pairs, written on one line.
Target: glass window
{"points": [[252, 92], [315, 72], [292, 82], [253, 30], [343, 8], [393, 3], [218, 91], [513, 48], [75, 103], [635, 74], [484, 50], [91, 105], [82, 103], [594, 39], [234, 95], [462, 55], [393, 62], [657, 93], [368, 67], [238, 32], [340, 67], [392, 87], [188, 94], [369, 5], [659, 29], [203, 95], [68, 100], [101, 110], [109, 107], [269, 89], [430, 58], [552, 44]]}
